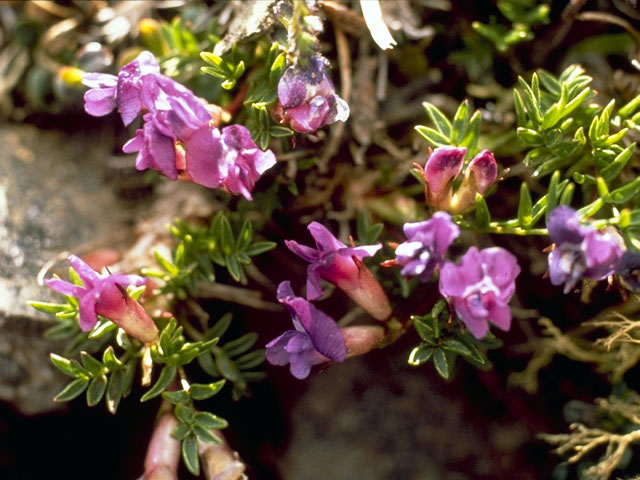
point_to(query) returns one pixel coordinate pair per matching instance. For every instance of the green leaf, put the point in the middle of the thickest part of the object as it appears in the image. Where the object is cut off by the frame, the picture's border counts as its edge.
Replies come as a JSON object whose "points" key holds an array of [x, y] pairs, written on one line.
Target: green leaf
{"points": [[94, 367], [625, 193], [530, 102], [226, 236], [166, 376], [48, 307], [210, 421], [260, 247], [470, 139], [483, 217], [166, 264], [206, 435], [72, 390], [524, 207], [190, 454], [110, 360], [441, 363], [521, 116], [185, 413], [181, 431], [207, 363], [200, 391], [612, 170], [240, 345], [460, 123], [432, 136], [530, 137], [66, 366], [97, 387], [227, 367], [455, 346], [567, 194], [115, 390], [552, 194], [439, 119], [233, 267], [129, 374], [420, 355], [220, 327], [176, 397], [278, 131], [251, 360]]}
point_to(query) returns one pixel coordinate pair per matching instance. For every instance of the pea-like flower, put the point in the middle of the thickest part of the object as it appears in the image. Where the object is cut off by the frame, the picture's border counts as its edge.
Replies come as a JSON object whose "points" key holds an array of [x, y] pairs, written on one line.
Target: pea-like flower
{"points": [[580, 250], [309, 99], [333, 261], [106, 295], [480, 287], [443, 167], [316, 338], [426, 245]]}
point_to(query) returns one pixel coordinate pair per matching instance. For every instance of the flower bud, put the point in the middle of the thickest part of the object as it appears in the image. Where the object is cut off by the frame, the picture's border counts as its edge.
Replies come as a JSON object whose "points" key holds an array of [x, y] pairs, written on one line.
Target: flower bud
{"points": [[442, 168], [480, 174]]}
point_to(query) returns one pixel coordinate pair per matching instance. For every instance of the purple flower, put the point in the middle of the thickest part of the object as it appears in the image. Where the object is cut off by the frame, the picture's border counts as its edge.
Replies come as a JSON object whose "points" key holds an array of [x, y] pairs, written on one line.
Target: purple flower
{"points": [[309, 99], [342, 266], [316, 337], [105, 295], [443, 167], [427, 243], [480, 287], [243, 161], [580, 250], [100, 99]]}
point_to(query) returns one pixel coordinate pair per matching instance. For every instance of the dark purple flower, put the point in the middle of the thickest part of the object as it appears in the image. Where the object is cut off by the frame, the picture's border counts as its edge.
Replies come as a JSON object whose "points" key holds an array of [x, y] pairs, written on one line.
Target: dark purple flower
{"points": [[309, 99], [342, 266], [155, 149], [580, 250], [316, 338], [426, 244], [480, 287], [106, 296]]}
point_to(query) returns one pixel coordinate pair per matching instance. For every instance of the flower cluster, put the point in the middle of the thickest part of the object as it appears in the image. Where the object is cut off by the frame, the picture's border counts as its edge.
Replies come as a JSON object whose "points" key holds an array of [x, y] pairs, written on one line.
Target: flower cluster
{"points": [[316, 338], [309, 99], [580, 250], [333, 261], [106, 295], [479, 288], [443, 167], [214, 158]]}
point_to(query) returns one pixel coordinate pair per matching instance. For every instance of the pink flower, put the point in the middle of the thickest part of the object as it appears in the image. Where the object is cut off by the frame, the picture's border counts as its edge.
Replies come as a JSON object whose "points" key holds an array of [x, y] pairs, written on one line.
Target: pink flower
{"points": [[106, 295]]}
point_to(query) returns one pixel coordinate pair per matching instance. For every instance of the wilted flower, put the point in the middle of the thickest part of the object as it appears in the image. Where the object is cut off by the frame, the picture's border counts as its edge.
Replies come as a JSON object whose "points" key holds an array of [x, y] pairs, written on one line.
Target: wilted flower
{"points": [[426, 244], [480, 287], [316, 337], [309, 99], [443, 167], [342, 266], [580, 250], [106, 295]]}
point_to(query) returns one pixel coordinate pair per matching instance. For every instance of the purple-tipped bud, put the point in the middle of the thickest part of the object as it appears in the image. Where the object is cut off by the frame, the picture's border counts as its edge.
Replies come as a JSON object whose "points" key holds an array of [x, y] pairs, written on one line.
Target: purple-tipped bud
{"points": [[309, 99], [479, 175], [480, 287], [442, 168]]}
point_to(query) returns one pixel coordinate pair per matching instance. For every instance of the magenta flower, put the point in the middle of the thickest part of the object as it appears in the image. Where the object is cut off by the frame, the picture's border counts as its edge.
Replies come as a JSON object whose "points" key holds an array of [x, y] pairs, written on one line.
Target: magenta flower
{"points": [[480, 287], [105, 295], [100, 99], [580, 250], [316, 338], [309, 99], [243, 161], [443, 167], [426, 245], [342, 266]]}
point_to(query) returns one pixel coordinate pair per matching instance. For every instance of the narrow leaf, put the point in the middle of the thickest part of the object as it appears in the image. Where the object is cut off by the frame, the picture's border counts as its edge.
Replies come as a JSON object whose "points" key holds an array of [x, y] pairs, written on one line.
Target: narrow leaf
{"points": [[166, 376], [524, 206], [441, 363], [96, 390], [72, 390], [439, 119], [190, 454]]}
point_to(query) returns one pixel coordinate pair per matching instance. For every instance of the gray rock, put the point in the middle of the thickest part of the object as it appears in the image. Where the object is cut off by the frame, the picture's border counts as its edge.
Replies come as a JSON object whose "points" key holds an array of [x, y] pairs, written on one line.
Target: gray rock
{"points": [[53, 201]]}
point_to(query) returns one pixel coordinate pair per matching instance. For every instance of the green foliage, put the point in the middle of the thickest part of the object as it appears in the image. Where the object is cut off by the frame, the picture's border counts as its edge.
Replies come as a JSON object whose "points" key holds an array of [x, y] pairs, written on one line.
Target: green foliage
{"points": [[462, 132], [442, 343], [228, 70], [200, 251]]}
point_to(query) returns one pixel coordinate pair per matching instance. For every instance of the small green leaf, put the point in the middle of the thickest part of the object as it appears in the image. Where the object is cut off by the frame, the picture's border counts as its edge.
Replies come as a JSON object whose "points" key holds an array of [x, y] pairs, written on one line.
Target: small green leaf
{"points": [[625, 193], [220, 327], [567, 194], [176, 397], [66, 366], [483, 217], [210, 421], [200, 391], [110, 360], [260, 247], [552, 194], [432, 136], [233, 267], [240, 345], [524, 207], [48, 307], [181, 431], [129, 374], [521, 116], [441, 363], [439, 119], [420, 355], [190, 454], [165, 263], [226, 236], [460, 123], [251, 360], [94, 367], [455, 346], [72, 390], [206, 435], [166, 376], [97, 387], [184, 413], [612, 170], [227, 367], [115, 390]]}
